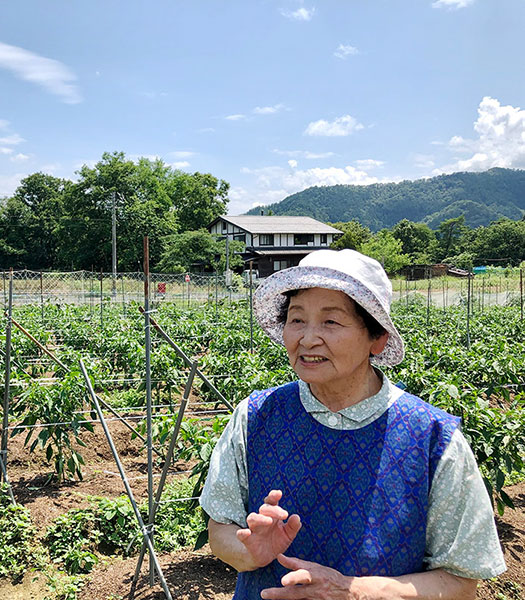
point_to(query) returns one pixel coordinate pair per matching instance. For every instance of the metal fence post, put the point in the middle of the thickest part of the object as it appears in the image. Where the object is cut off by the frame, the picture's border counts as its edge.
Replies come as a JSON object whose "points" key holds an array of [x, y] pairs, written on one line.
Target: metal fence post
{"points": [[251, 307], [7, 374], [42, 298], [521, 294], [101, 303], [149, 441], [469, 294]]}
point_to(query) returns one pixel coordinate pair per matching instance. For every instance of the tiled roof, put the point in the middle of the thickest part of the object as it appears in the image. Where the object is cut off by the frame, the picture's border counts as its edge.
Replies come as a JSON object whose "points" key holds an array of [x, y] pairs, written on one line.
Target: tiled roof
{"points": [[279, 224]]}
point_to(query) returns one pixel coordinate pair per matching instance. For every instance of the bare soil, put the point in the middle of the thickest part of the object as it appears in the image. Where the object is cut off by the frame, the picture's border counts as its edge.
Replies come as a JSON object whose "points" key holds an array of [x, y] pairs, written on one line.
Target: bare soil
{"points": [[190, 575]]}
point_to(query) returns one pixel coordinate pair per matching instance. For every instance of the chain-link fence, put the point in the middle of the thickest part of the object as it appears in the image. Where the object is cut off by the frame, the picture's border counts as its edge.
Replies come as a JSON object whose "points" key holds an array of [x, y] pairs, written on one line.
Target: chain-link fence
{"points": [[505, 288], [88, 287]]}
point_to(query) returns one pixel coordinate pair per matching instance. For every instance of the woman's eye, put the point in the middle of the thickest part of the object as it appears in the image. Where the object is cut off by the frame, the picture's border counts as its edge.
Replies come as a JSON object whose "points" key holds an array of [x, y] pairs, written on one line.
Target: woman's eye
{"points": [[331, 322]]}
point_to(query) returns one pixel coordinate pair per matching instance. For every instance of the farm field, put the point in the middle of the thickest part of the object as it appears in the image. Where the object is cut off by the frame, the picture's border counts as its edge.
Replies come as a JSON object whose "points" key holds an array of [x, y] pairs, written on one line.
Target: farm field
{"points": [[78, 532]]}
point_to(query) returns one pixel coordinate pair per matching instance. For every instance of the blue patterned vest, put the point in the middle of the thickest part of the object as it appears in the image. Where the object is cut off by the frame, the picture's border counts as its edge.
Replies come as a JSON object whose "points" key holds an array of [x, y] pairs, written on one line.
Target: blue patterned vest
{"points": [[362, 495]]}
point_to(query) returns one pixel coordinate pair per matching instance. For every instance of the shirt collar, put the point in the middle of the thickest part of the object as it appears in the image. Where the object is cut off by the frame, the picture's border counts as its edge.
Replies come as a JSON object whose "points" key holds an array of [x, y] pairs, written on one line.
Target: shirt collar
{"points": [[362, 411]]}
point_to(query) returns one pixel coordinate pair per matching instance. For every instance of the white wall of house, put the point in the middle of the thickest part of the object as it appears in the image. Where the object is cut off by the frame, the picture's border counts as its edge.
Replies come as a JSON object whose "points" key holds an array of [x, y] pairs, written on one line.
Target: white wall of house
{"points": [[222, 228], [279, 240]]}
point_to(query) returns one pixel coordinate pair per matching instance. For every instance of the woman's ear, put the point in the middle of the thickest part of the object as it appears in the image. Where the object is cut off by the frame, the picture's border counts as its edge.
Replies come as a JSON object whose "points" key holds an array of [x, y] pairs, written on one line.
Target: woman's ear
{"points": [[378, 345]]}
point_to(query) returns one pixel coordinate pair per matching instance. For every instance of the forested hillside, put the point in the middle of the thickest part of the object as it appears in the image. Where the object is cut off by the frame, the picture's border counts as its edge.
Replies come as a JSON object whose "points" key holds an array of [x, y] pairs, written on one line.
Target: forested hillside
{"points": [[481, 197]]}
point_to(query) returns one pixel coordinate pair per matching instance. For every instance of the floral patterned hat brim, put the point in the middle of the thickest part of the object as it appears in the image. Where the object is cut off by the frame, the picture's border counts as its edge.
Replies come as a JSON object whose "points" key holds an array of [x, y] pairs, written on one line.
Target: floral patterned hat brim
{"points": [[269, 300]]}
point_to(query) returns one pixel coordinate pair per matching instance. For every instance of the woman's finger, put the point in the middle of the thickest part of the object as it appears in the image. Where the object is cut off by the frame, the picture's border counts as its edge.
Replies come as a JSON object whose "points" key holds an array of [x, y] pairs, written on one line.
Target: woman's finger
{"points": [[256, 521], [292, 526], [288, 593], [276, 512], [243, 534], [292, 563], [299, 577], [273, 497]]}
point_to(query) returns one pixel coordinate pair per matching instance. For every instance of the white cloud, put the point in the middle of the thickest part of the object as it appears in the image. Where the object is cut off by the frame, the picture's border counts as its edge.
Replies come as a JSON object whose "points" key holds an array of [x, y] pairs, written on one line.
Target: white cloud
{"points": [[182, 154], [12, 140], [341, 126], [183, 164], [4, 150], [423, 161], [206, 130], [304, 154], [345, 50], [500, 141], [4, 124], [51, 74], [235, 117], [20, 157], [301, 14], [268, 110], [452, 4], [9, 183], [272, 184], [369, 163], [293, 163]]}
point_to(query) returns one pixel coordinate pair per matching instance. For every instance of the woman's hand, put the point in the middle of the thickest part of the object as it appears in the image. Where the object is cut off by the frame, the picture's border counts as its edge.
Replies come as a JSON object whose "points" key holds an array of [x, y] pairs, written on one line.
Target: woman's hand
{"points": [[267, 534], [309, 580]]}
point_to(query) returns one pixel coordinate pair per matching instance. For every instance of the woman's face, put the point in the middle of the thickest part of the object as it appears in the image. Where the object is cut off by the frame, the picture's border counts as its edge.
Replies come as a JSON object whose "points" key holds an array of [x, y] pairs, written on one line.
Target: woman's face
{"points": [[327, 342]]}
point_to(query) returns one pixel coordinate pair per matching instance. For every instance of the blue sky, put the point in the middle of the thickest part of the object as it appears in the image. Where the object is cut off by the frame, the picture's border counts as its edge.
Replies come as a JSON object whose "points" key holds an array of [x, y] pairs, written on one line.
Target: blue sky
{"points": [[271, 95]]}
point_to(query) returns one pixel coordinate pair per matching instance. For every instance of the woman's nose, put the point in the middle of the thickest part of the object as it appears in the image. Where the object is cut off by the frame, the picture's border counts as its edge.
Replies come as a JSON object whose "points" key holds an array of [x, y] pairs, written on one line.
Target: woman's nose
{"points": [[311, 336]]}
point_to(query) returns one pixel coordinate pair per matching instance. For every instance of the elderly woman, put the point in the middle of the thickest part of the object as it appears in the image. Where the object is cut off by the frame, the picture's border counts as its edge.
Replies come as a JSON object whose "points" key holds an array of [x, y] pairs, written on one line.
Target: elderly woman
{"points": [[371, 492]]}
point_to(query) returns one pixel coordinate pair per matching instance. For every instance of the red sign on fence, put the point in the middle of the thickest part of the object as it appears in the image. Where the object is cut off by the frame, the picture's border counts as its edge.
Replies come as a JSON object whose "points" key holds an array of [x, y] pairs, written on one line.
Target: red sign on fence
{"points": [[187, 278], [161, 288]]}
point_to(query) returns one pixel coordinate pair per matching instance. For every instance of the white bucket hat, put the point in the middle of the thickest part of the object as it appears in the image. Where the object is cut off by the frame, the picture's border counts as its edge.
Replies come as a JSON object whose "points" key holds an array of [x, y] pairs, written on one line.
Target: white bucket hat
{"points": [[359, 276]]}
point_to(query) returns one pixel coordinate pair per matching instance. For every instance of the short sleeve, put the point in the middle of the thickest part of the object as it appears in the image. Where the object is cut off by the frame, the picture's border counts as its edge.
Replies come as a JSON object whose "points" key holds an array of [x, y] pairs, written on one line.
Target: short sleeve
{"points": [[225, 494], [461, 534]]}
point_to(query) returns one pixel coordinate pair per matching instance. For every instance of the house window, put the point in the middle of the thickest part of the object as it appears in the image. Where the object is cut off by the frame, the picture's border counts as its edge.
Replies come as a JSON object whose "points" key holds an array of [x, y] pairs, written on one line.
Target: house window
{"points": [[303, 239], [324, 239], [240, 237], [224, 227], [279, 265], [266, 239]]}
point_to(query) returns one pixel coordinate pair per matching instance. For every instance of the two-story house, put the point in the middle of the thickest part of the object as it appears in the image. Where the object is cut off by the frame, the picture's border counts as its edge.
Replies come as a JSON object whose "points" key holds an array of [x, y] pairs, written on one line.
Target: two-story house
{"points": [[275, 242]]}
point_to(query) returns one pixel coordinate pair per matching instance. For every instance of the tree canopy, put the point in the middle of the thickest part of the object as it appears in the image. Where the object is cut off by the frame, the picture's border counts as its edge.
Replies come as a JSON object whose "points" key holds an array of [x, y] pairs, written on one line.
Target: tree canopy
{"points": [[61, 224]]}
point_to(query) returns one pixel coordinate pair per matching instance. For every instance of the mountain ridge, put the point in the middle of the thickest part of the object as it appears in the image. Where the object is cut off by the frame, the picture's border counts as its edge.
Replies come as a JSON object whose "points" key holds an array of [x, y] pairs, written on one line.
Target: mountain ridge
{"points": [[482, 197]]}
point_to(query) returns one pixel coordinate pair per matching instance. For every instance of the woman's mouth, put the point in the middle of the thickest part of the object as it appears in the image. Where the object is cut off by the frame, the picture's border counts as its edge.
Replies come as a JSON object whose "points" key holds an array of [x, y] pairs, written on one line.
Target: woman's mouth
{"points": [[313, 359]]}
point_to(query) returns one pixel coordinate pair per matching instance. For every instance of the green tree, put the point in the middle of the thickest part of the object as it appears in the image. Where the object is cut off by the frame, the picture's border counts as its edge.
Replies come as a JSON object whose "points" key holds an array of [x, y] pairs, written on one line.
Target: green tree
{"points": [[417, 240], [450, 235], [185, 250], [199, 251], [143, 207], [198, 199], [386, 249], [29, 222], [353, 237], [503, 240]]}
